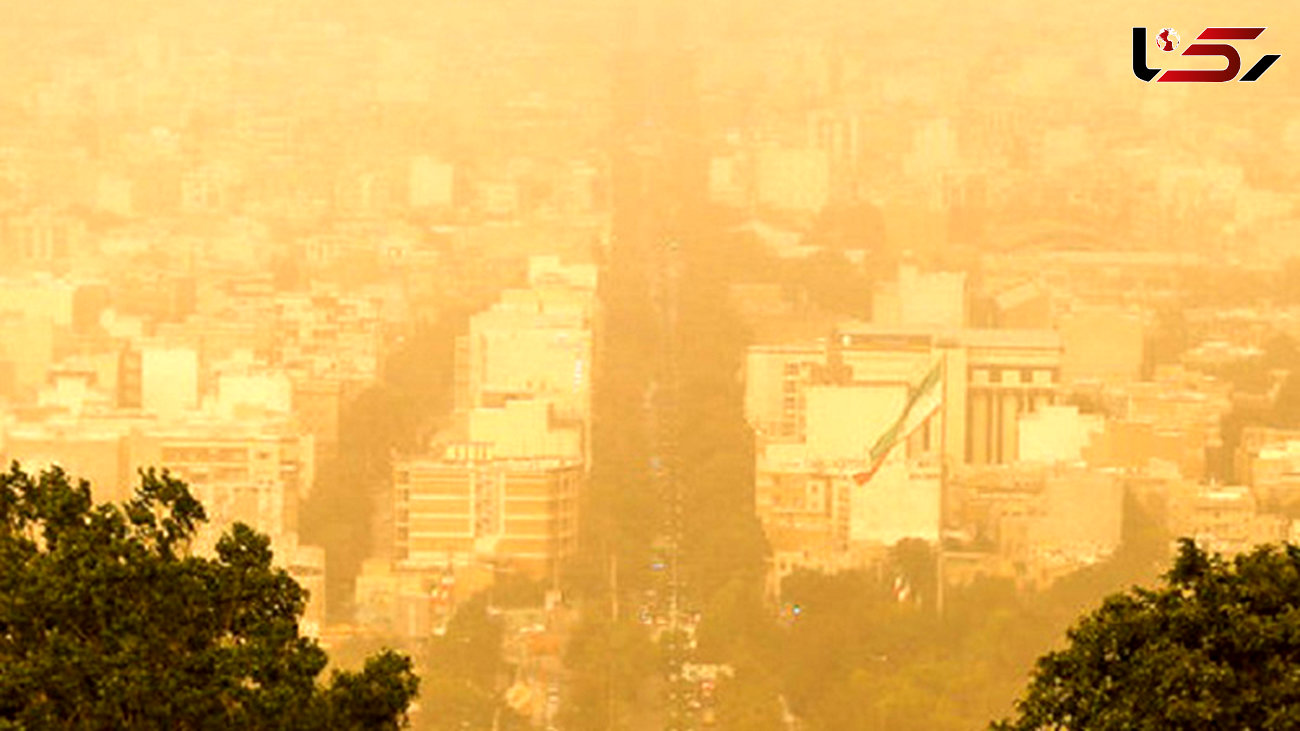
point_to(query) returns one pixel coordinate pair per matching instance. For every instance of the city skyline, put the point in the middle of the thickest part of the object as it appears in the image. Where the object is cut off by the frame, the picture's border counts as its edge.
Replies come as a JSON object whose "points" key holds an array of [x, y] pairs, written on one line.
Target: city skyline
{"points": [[717, 364]]}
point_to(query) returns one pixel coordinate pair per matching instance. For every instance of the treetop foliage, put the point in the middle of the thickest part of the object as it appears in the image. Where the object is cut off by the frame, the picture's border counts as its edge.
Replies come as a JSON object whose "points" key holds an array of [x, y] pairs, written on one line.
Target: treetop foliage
{"points": [[106, 621], [1218, 646]]}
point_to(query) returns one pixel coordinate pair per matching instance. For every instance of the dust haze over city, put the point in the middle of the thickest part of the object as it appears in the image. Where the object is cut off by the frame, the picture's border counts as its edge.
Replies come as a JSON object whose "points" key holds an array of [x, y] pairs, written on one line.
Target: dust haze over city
{"points": [[655, 364]]}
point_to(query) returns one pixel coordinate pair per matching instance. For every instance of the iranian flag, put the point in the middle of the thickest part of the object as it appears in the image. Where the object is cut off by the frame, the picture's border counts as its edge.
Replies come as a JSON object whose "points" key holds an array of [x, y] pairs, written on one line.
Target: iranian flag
{"points": [[922, 402], [902, 589]]}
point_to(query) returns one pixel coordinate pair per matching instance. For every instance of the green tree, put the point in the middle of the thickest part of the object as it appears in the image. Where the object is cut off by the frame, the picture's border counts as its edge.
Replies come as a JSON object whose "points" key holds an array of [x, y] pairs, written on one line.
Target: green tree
{"points": [[1167, 341], [834, 284], [107, 622], [392, 416], [914, 562], [1218, 646], [750, 701], [855, 225], [736, 623], [611, 664], [464, 664]]}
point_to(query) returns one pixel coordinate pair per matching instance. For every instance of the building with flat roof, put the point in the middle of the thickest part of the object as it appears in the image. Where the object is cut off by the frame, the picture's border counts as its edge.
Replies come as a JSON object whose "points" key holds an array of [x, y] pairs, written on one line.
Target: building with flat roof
{"points": [[992, 377], [1103, 344], [254, 472], [921, 298], [98, 451], [251, 470], [1223, 519], [1173, 418], [534, 342], [1270, 461], [818, 409], [1036, 523], [468, 505], [776, 381]]}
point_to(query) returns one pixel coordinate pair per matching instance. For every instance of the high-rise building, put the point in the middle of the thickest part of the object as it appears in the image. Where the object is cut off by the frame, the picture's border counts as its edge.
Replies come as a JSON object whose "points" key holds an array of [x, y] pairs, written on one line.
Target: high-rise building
{"points": [[469, 507], [534, 343], [776, 380], [169, 380], [819, 409], [255, 472], [991, 378]]}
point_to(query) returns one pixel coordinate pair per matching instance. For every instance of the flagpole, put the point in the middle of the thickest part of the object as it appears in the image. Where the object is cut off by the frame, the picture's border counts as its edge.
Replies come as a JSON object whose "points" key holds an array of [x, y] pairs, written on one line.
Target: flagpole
{"points": [[943, 483]]}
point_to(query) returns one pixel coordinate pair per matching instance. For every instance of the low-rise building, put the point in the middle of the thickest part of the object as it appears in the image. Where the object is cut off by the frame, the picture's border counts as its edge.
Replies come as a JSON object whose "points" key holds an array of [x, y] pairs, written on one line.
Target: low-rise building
{"points": [[1037, 523], [1223, 519]]}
